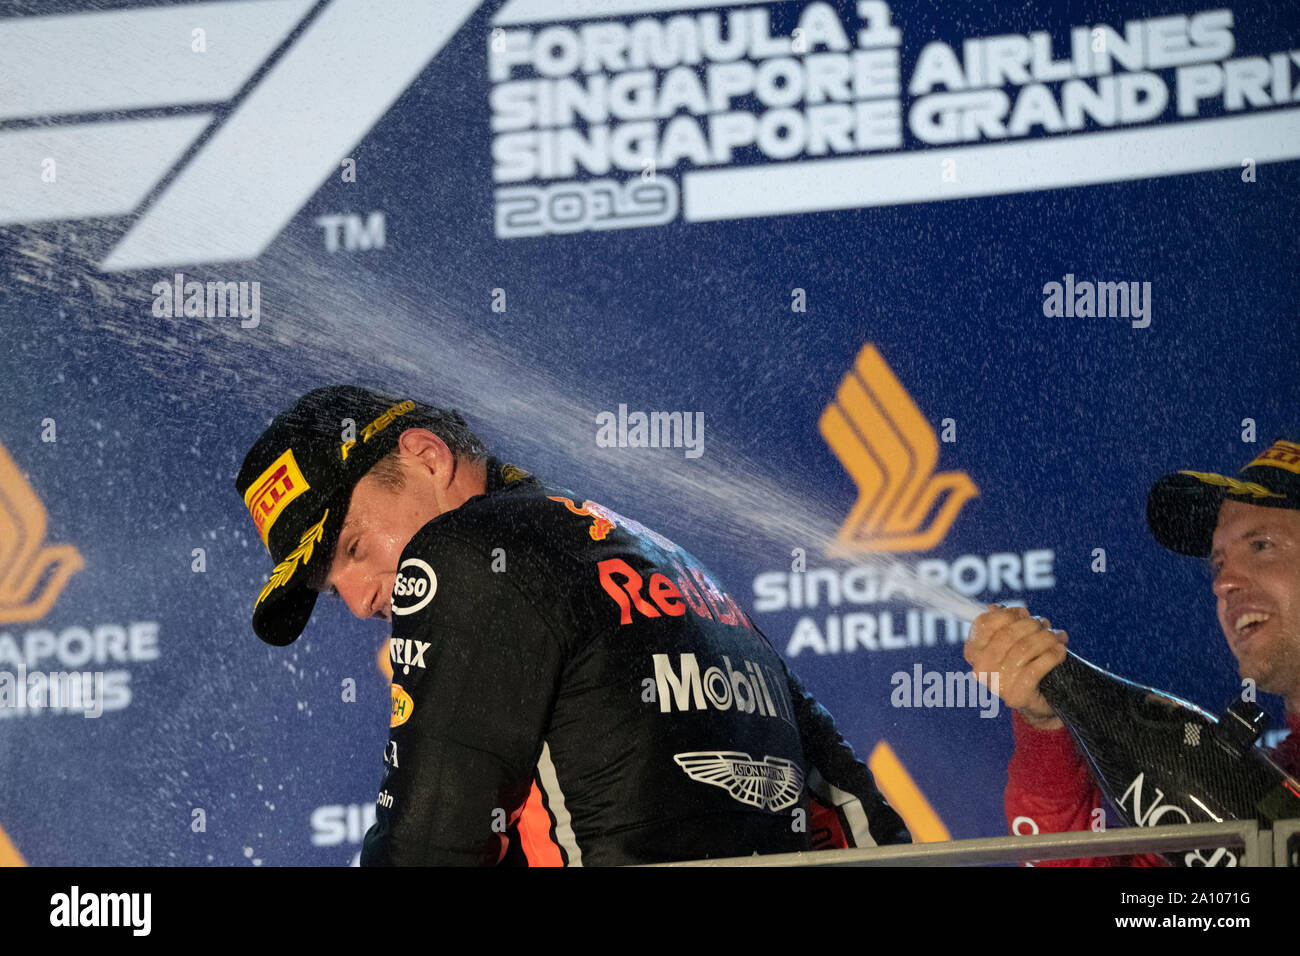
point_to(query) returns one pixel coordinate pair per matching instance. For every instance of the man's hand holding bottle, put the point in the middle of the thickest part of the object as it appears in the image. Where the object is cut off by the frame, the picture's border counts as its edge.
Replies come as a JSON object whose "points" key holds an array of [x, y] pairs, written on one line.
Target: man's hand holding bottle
{"points": [[1020, 650]]}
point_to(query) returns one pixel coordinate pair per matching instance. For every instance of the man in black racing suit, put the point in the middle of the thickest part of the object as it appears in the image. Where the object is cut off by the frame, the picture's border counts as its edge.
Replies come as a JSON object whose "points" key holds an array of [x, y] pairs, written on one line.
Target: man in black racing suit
{"points": [[569, 687]]}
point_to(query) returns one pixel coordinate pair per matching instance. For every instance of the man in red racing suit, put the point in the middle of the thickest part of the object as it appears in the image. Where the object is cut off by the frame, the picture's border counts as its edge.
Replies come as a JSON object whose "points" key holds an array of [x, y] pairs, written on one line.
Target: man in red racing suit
{"points": [[1049, 788], [1249, 528]]}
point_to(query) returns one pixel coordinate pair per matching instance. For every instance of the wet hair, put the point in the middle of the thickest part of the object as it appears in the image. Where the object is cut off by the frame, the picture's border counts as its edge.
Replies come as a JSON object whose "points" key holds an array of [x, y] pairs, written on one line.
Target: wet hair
{"points": [[388, 471], [447, 425]]}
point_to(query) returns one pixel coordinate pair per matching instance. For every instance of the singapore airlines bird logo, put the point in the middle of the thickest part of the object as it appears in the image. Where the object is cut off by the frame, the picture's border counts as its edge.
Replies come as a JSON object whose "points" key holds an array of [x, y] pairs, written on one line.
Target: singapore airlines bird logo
{"points": [[32, 573], [771, 782], [889, 449]]}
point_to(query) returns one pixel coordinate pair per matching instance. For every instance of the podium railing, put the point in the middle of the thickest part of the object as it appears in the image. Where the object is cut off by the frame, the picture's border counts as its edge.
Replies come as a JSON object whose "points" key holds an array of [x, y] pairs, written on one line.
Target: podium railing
{"points": [[1286, 842], [1258, 847]]}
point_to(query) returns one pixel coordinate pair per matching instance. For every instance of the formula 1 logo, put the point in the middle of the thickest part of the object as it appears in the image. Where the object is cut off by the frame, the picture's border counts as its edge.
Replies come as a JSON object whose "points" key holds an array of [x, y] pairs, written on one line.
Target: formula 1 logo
{"points": [[884, 442], [237, 110], [772, 782], [32, 573]]}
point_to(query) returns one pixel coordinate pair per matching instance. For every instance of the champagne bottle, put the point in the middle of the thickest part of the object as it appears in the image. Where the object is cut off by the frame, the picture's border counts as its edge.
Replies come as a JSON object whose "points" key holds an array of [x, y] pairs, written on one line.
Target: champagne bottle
{"points": [[1161, 760]]}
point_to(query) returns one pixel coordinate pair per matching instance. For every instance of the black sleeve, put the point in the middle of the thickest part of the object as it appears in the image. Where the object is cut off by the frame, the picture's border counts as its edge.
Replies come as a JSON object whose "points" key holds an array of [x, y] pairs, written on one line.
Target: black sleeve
{"points": [[838, 780], [475, 672]]}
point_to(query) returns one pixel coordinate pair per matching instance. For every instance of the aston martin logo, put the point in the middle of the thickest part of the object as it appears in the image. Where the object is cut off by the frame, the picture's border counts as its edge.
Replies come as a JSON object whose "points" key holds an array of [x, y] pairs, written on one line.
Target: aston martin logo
{"points": [[32, 573], [771, 782], [887, 446]]}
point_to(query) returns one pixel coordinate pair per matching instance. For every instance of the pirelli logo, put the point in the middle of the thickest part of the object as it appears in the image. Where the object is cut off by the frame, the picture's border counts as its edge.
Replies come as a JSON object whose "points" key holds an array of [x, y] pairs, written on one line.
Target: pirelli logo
{"points": [[1282, 454], [271, 493], [32, 573], [889, 449]]}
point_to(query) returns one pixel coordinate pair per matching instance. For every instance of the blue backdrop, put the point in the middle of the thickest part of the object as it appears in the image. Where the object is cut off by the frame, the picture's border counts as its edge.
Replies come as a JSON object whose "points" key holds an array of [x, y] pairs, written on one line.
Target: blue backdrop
{"points": [[128, 426]]}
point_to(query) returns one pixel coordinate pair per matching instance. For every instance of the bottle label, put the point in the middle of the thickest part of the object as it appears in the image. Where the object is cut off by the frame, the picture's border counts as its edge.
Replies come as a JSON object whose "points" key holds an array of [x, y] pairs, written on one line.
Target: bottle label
{"points": [[1156, 812]]}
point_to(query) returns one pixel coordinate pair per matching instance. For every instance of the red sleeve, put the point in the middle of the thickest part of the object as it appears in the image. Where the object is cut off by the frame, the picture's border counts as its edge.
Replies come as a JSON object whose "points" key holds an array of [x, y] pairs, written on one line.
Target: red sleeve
{"points": [[1049, 791]]}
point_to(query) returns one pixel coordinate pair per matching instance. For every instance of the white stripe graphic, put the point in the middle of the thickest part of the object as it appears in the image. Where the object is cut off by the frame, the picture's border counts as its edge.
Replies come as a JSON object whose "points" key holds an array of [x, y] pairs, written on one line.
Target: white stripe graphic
{"points": [[554, 799], [136, 59], [549, 11], [100, 169], [321, 98], [854, 812], [990, 170]]}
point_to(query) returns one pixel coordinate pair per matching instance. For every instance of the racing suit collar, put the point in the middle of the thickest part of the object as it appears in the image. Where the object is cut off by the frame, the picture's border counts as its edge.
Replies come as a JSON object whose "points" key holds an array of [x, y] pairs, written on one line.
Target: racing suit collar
{"points": [[500, 474]]}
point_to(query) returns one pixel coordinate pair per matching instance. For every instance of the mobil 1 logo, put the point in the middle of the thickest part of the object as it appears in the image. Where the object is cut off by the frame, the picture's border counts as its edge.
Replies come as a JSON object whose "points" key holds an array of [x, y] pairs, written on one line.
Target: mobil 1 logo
{"points": [[414, 587]]}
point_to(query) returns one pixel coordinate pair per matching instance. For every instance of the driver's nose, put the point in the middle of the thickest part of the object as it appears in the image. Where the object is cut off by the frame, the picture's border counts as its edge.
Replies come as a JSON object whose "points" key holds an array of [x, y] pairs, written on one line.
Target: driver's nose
{"points": [[1228, 579], [356, 596]]}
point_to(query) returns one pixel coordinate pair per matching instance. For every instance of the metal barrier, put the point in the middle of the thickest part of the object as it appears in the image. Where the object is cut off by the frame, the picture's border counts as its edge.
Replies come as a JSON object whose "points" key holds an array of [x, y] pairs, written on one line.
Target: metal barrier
{"points": [[1285, 832], [1259, 847]]}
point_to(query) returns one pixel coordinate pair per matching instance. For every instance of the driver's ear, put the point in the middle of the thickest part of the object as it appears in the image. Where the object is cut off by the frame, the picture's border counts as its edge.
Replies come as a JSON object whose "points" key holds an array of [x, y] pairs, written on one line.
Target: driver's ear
{"points": [[426, 448]]}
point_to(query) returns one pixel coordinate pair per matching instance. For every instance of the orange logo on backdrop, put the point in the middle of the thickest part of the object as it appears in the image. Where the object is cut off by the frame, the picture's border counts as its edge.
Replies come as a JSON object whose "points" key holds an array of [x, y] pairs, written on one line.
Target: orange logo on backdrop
{"points": [[886, 445], [9, 855], [903, 794], [25, 560], [268, 496]]}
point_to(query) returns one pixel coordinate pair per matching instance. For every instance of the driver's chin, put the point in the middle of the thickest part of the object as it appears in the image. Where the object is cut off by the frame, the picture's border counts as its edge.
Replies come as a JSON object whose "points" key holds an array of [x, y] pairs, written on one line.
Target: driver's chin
{"points": [[1253, 669]]}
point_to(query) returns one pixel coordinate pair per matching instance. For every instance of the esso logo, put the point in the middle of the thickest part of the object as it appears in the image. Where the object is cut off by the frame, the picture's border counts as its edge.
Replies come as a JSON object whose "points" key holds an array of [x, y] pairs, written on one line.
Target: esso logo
{"points": [[414, 588]]}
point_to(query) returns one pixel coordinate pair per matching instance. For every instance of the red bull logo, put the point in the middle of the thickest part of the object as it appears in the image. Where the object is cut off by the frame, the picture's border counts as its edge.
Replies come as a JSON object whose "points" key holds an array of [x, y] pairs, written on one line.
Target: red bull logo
{"points": [[601, 524]]}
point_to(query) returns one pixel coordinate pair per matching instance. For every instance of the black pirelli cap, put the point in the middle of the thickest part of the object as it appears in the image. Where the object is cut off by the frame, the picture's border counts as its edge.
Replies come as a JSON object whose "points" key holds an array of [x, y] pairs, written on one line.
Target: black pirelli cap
{"points": [[297, 482], [1183, 507]]}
